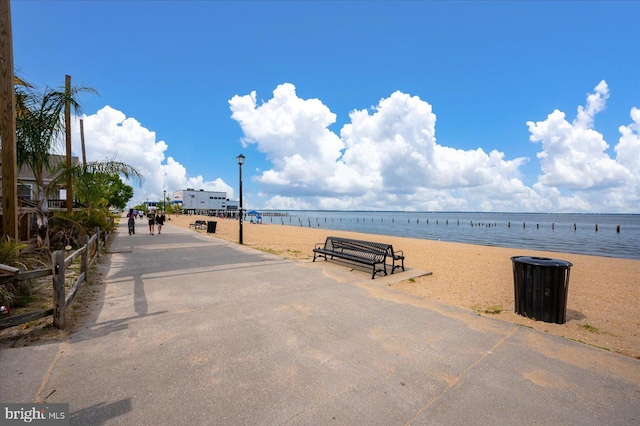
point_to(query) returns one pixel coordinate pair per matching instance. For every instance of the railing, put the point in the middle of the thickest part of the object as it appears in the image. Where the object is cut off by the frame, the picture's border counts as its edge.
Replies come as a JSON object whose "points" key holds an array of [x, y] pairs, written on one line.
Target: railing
{"points": [[52, 204], [59, 265]]}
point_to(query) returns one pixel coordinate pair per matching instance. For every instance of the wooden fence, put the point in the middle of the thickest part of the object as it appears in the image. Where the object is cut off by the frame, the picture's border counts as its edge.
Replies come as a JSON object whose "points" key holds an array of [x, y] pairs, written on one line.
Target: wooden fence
{"points": [[88, 253]]}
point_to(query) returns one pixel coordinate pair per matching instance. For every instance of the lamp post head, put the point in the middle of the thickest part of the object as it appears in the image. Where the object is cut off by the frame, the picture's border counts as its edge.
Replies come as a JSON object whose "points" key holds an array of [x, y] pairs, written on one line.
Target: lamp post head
{"points": [[240, 159]]}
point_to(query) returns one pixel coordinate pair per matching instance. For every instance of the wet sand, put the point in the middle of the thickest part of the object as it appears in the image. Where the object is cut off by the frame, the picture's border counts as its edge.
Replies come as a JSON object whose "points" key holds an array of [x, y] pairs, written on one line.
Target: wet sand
{"points": [[603, 306]]}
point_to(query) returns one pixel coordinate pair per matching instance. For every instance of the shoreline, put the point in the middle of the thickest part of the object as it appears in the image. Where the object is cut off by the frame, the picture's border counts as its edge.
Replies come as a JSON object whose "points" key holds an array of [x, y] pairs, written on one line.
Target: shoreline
{"points": [[602, 308], [599, 236]]}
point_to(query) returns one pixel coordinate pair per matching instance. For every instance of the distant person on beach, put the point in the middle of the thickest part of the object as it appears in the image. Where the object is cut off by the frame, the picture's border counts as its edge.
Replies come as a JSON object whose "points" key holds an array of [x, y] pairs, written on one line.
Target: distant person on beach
{"points": [[160, 220], [151, 216], [131, 221]]}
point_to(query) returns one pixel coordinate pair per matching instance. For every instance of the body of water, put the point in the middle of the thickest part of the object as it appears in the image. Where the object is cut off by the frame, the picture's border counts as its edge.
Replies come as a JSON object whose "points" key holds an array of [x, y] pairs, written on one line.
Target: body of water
{"points": [[609, 235]]}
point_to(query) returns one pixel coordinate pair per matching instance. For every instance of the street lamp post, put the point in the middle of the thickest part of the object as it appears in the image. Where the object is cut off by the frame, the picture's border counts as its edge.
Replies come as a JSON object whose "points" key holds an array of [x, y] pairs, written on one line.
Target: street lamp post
{"points": [[240, 159], [164, 203]]}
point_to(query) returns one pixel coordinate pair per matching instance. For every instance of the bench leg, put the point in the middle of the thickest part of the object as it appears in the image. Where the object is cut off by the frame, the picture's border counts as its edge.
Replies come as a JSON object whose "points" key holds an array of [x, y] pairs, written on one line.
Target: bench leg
{"points": [[394, 266], [375, 271], [315, 255]]}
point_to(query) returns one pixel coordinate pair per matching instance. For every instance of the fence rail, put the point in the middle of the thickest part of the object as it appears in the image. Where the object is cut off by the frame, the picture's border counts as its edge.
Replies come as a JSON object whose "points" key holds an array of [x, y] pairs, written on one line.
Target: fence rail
{"points": [[59, 263]]}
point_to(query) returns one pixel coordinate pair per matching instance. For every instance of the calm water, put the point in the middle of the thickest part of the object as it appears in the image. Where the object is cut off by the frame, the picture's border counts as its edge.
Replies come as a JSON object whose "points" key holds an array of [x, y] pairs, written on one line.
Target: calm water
{"points": [[534, 231]]}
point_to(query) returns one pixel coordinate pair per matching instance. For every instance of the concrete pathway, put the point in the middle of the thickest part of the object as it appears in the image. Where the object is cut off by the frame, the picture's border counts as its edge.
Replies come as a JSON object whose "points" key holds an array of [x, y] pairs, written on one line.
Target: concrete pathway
{"points": [[194, 330]]}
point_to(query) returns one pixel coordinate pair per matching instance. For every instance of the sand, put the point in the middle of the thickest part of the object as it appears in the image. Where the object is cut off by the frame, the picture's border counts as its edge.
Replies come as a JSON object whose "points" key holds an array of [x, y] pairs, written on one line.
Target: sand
{"points": [[603, 308]]}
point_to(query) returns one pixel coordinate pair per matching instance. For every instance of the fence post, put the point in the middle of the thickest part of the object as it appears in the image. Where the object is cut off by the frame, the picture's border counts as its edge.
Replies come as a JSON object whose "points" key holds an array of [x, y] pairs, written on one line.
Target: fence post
{"points": [[84, 262], [57, 264], [98, 242]]}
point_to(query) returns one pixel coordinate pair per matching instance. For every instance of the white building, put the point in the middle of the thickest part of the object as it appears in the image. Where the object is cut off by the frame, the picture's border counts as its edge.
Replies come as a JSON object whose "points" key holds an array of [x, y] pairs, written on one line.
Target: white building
{"points": [[204, 202]]}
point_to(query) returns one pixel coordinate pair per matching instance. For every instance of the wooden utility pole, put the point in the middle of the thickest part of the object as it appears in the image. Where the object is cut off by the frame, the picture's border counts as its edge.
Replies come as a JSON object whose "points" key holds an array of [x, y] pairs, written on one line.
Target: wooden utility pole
{"points": [[67, 125], [84, 152], [8, 125]]}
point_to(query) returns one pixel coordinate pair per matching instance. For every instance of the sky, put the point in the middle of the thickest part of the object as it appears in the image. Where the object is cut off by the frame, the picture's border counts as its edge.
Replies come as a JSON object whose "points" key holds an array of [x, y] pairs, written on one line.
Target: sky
{"points": [[494, 106]]}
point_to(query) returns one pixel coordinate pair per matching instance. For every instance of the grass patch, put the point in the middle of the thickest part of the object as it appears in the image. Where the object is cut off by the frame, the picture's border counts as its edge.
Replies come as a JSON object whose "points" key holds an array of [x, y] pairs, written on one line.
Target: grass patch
{"points": [[24, 300], [590, 328], [489, 310], [269, 250], [590, 344]]}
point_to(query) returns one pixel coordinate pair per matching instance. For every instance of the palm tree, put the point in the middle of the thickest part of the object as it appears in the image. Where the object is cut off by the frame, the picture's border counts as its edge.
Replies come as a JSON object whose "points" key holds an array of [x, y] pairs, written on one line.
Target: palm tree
{"points": [[87, 178], [39, 129]]}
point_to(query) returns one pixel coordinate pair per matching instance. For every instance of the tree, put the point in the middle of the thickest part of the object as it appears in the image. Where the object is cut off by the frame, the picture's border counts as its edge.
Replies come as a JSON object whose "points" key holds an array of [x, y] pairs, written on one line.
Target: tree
{"points": [[98, 184], [120, 192], [39, 129]]}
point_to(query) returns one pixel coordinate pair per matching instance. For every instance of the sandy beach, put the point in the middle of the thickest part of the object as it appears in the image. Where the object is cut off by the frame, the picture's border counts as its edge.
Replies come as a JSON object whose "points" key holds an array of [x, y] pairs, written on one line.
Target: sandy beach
{"points": [[603, 308]]}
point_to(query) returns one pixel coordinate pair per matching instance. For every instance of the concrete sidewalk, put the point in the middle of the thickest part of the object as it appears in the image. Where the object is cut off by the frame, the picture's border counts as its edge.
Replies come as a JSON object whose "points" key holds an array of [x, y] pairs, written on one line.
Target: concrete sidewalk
{"points": [[195, 330]]}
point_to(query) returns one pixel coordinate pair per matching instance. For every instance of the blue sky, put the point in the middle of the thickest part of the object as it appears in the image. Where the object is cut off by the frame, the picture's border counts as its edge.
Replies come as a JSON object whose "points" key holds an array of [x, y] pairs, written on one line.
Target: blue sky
{"points": [[470, 106]]}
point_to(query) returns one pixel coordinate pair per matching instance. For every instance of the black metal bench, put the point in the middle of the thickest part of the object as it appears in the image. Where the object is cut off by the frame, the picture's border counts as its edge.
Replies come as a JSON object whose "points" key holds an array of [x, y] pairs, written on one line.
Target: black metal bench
{"points": [[365, 252], [198, 224]]}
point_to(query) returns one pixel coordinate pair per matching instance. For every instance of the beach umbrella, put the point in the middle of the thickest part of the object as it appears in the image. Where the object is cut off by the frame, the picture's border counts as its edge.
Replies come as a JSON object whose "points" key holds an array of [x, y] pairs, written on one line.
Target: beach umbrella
{"points": [[253, 212]]}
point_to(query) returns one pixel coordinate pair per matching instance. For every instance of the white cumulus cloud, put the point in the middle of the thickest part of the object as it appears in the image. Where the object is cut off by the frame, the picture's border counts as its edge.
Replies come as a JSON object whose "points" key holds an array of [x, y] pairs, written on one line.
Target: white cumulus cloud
{"points": [[381, 160], [574, 154], [388, 158], [110, 134]]}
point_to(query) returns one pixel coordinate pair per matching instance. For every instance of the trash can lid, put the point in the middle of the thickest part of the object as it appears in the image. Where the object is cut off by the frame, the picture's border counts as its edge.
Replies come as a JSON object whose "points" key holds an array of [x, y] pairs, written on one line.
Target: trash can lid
{"points": [[541, 261]]}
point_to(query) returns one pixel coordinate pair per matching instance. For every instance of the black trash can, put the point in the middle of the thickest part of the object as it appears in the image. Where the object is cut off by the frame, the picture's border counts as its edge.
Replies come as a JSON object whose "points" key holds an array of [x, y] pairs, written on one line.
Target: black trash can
{"points": [[540, 288], [211, 227]]}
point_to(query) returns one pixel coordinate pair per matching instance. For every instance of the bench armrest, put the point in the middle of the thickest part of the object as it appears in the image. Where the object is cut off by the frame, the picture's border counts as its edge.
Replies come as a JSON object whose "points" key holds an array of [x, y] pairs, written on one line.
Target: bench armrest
{"points": [[398, 254]]}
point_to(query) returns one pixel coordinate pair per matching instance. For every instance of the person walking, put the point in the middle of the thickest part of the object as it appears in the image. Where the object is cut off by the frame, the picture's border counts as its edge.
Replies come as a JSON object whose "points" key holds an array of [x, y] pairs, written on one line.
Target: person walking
{"points": [[132, 221], [151, 217], [160, 221]]}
